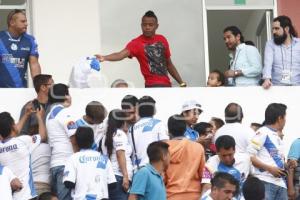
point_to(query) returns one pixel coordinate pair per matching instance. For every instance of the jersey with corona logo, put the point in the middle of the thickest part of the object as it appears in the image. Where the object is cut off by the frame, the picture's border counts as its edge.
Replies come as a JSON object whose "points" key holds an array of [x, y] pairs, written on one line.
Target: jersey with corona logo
{"points": [[14, 57], [15, 154], [91, 172]]}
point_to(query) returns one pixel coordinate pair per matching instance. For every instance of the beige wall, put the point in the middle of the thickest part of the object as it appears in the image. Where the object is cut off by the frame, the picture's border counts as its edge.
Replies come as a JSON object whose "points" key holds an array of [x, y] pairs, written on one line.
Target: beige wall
{"points": [[65, 31]]}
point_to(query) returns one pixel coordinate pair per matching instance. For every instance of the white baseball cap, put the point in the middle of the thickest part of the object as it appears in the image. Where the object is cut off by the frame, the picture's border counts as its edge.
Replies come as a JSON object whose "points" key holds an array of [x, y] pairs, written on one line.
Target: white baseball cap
{"points": [[189, 105]]}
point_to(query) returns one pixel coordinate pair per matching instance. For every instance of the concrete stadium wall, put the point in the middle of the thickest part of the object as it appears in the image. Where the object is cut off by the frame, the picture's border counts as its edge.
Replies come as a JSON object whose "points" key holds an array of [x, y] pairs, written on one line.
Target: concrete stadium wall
{"points": [[253, 100]]}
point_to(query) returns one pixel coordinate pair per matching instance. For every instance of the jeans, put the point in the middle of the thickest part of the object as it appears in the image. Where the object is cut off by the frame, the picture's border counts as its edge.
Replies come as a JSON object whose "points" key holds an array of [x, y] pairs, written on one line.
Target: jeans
{"points": [[275, 192], [58, 186], [118, 192]]}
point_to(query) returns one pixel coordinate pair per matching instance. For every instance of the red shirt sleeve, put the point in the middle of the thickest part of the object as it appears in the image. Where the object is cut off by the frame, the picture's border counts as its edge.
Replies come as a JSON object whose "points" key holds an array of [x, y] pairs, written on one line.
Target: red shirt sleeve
{"points": [[132, 48]]}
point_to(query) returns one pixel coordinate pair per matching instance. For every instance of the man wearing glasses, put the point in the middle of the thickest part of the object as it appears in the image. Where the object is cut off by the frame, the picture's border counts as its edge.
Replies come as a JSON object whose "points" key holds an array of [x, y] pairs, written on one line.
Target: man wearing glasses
{"points": [[17, 48]]}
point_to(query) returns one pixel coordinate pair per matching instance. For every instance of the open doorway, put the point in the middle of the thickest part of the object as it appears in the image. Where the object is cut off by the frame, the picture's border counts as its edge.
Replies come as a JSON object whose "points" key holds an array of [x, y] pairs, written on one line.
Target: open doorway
{"points": [[254, 24]]}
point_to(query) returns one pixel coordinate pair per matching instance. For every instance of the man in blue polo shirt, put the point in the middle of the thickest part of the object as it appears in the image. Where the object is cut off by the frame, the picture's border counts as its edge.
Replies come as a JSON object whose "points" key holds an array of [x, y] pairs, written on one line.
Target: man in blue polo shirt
{"points": [[17, 48], [147, 182]]}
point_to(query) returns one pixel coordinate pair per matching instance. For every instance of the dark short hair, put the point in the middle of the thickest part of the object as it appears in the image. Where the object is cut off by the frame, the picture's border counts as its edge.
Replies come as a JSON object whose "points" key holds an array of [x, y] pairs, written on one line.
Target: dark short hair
{"points": [[84, 136], [233, 113], [156, 151], [6, 124], [235, 31], [176, 125], [285, 21], [221, 178], [150, 13], [96, 111], [128, 102], [146, 106], [253, 189], [12, 13], [250, 43], [58, 93], [39, 80], [45, 196], [258, 125], [201, 127], [218, 122], [221, 76], [273, 112], [225, 142]]}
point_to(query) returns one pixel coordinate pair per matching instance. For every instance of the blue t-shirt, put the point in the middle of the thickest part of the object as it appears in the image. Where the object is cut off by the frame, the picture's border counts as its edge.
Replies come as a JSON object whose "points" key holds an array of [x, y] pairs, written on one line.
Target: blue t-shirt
{"points": [[294, 152], [148, 184], [191, 134], [14, 56]]}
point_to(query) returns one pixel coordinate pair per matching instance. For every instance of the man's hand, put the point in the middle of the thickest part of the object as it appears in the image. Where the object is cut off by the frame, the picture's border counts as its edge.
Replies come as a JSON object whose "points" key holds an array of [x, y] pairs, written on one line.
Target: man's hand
{"points": [[292, 164], [100, 57], [229, 73], [125, 183], [267, 83], [40, 113], [29, 109], [276, 171]]}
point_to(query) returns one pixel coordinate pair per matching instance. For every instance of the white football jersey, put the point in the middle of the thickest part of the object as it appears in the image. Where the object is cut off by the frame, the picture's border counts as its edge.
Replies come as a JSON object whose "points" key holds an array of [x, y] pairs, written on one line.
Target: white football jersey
{"points": [[146, 131], [15, 154], [60, 127], [91, 172]]}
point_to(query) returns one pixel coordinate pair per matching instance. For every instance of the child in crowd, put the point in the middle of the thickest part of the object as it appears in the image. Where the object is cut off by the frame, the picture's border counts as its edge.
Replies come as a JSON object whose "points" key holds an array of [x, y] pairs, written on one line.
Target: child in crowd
{"points": [[87, 172], [206, 138], [216, 124], [190, 113], [215, 79]]}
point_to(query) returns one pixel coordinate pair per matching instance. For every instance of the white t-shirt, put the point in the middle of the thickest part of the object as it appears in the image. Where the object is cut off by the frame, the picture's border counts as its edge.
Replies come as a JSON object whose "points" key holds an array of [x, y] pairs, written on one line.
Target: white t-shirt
{"points": [[15, 154], [60, 127], [242, 135], [146, 131], [267, 138], [120, 142], [240, 169], [98, 129], [6, 176], [40, 162], [91, 172]]}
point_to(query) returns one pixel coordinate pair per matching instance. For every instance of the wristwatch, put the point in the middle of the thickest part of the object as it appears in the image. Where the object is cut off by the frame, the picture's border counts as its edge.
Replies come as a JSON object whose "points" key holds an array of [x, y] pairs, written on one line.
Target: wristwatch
{"points": [[183, 84]]}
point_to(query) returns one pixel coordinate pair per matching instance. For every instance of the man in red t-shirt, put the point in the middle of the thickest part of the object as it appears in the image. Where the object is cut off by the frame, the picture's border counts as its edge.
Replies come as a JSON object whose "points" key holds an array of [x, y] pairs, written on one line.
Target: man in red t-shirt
{"points": [[153, 54]]}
